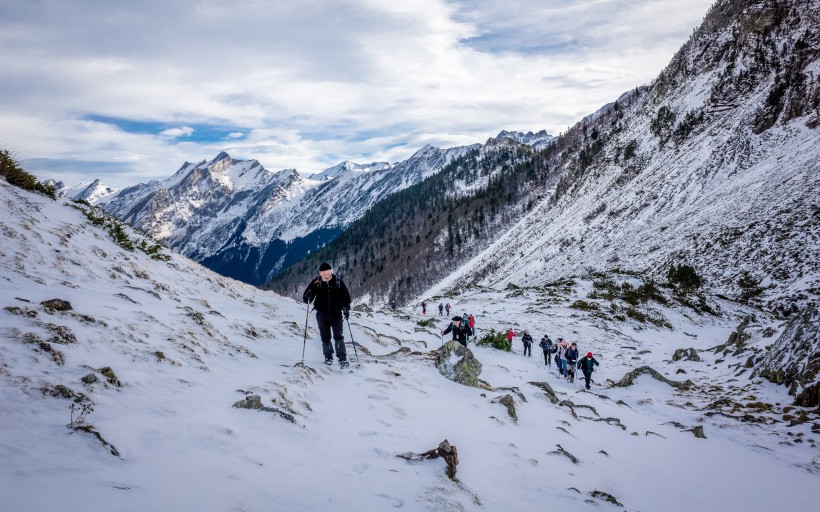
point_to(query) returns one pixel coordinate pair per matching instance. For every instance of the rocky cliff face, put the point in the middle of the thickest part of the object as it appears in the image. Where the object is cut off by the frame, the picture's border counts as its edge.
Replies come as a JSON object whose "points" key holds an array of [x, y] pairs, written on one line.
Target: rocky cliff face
{"points": [[794, 359], [715, 165]]}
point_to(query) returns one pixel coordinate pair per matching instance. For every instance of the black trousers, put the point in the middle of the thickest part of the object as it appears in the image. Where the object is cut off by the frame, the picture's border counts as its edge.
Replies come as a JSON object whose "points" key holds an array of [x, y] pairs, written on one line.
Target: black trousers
{"points": [[528, 348], [546, 357], [328, 322], [587, 376]]}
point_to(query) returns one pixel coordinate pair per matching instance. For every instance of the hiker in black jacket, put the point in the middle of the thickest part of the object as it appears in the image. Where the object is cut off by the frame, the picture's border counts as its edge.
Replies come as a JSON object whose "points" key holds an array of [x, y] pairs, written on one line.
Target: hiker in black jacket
{"points": [[572, 360], [527, 340], [460, 332], [586, 365], [331, 300], [546, 346]]}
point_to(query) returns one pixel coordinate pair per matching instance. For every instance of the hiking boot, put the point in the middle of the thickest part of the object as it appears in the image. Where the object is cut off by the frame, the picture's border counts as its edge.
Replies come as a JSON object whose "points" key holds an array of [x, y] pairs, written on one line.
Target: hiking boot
{"points": [[343, 363], [328, 361]]}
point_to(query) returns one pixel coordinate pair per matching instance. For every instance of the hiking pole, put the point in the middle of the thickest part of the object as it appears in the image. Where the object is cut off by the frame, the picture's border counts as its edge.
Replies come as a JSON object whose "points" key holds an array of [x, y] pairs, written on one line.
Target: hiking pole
{"points": [[358, 363], [304, 341]]}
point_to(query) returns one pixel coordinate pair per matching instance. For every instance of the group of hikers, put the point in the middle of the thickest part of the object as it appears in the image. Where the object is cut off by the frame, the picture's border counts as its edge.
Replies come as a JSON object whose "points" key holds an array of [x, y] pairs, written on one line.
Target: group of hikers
{"points": [[441, 308], [331, 300], [565, 355]]}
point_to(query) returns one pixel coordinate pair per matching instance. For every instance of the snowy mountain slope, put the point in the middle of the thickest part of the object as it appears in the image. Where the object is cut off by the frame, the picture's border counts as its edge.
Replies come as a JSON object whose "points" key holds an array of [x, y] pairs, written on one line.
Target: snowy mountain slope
{"points": [[716, 166], [185, 344]]}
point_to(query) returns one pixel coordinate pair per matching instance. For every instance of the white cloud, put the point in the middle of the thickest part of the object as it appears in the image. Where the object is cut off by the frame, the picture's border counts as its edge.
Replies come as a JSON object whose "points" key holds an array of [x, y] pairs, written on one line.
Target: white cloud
{"points": [[175, 133], [311, 83]]}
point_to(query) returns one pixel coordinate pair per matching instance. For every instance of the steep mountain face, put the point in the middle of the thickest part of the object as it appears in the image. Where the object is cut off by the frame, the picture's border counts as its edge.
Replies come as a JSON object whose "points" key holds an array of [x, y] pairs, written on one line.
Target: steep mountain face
{"points": [[245, 222], [715, 165]]}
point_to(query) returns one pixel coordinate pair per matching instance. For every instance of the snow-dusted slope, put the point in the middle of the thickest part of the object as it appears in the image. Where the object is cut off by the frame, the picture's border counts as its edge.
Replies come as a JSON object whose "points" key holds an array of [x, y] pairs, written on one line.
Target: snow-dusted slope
{"points": [[717, 167], [160, 351]]}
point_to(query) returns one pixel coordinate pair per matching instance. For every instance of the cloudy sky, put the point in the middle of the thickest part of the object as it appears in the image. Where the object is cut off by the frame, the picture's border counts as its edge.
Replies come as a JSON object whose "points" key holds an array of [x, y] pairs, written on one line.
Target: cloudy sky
{"points": [[127, 91]]}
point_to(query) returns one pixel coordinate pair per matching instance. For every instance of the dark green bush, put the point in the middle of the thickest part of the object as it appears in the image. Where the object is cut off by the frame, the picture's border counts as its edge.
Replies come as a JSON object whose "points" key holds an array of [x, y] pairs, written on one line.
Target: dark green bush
{"points": [[684, 278], [497, 340], [15, 175]]}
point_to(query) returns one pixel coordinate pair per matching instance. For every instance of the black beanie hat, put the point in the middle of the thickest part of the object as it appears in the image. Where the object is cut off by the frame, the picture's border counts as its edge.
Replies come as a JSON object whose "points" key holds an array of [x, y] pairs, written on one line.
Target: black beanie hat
{"points": [[324, 266]]}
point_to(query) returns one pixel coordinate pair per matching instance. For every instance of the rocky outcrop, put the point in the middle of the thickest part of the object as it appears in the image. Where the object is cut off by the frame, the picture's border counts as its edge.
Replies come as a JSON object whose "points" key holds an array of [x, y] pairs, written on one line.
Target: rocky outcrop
{"points": [[794, 359], [689, 354], [457, 363], [630, 377], [56, 305], [508, 402]]}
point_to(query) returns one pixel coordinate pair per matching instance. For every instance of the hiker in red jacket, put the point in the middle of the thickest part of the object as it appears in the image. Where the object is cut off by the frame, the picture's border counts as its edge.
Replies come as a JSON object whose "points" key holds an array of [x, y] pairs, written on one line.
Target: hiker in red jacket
{"points": [[510, 335]]}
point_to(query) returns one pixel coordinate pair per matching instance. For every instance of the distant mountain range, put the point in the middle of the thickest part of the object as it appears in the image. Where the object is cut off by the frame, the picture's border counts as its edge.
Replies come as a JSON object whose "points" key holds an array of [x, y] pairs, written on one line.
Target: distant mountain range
{"points": [[246, 222]]}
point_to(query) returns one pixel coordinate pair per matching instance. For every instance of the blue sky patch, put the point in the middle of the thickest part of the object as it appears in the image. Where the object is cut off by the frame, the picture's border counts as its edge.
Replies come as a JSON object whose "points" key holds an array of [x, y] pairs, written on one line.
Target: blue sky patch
{"points": [[202, 133]]}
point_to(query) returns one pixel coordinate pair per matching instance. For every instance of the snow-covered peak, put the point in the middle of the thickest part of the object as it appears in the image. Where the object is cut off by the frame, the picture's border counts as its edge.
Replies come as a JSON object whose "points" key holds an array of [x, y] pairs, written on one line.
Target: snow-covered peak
{"points": [[537, 140], [346, 167], [92, 192]]}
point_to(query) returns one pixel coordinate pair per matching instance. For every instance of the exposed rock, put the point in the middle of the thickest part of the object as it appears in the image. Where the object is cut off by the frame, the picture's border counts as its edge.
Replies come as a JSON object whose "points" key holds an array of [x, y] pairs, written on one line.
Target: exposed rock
{"points": [[606, 496], [457, 363], [630, 377], [90, 379], [56, 305], [562, 451], [31, 338], [737, 338], [794, 358], [508, 402], [61, 334], [547, 389], [254, 402], [689, 353], [110, 376], [697, 431], [90, 430], [26, 312], [250, 402]]}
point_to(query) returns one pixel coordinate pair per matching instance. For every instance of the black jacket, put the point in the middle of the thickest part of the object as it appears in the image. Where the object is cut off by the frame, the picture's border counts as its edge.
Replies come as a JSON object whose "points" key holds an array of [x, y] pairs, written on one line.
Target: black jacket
{"points": [[328, 297], [460, 333], [526, 339], [586, 364]]}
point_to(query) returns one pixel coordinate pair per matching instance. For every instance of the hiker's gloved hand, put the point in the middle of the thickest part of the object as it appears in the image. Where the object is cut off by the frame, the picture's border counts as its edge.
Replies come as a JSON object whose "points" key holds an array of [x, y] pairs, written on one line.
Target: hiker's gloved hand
{"points": [[308, 296], [346, 313]]}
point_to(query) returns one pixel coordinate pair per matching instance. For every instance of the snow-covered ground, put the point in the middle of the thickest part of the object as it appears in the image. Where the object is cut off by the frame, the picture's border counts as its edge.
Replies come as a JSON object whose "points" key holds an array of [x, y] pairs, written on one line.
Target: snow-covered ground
{"points": [[186, 344]]}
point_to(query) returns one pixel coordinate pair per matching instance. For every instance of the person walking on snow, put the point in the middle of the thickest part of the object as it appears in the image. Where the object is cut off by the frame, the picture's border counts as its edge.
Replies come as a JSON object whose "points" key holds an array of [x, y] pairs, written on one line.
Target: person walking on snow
{"points": [[510, 336], [572, 360], [460, 332], [331, 300], [447, 307], [423, 308], [546, 346], [527, 340], [441, 309], [471, 323], [587, 365], [561, 357]]}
